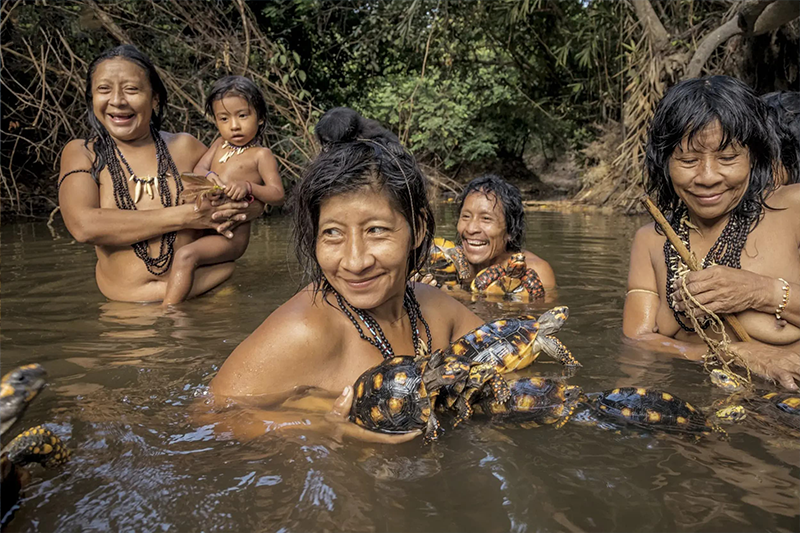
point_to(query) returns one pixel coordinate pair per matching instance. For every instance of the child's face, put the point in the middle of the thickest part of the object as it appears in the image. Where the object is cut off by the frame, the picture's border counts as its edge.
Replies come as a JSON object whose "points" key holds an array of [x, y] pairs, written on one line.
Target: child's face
{"points": [[236, 120]]}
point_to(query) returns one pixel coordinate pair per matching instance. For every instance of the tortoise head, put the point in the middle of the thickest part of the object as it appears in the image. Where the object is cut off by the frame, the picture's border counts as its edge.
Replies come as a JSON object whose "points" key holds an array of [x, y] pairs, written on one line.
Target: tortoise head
{"points": [[727, 380], [573, 394], [516, 265], [552, 320], [731, 413], [19, 387]]}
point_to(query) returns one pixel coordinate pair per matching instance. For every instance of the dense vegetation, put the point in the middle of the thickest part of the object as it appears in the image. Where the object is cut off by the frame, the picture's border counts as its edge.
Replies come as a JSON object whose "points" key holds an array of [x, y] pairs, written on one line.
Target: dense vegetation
{"points": [[504, 85]]}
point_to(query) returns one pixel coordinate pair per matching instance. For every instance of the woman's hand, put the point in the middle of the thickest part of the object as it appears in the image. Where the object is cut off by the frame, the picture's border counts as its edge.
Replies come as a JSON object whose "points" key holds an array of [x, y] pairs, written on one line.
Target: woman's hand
{"points": [[427, 279], [230, 214], [723, 290], [339, 419], [779, 364]]}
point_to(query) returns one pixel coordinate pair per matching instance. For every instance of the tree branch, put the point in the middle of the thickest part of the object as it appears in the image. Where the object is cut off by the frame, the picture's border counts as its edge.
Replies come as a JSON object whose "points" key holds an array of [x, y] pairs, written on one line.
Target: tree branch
{"points": [[652, 24], [707, 46]]}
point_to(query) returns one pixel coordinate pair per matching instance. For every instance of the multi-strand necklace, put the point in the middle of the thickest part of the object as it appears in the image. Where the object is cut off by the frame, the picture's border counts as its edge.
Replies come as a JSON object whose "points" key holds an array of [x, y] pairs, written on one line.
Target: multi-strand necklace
{"points": [[235, 150], [726, 251], [378, 338], [122, 196]]}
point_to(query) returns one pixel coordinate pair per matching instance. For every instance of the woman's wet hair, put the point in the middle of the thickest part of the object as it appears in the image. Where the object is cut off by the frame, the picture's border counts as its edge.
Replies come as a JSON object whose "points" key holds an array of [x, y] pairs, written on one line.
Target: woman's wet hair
{"points": [[784, 111], [509, 197], [103, 145], [358, 153], [685, 111], [244, 88]]}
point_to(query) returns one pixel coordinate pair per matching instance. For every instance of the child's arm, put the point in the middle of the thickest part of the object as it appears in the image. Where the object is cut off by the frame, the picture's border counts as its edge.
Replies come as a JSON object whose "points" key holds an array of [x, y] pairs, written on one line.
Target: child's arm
{"points": [[203, 166], [271, 190]]}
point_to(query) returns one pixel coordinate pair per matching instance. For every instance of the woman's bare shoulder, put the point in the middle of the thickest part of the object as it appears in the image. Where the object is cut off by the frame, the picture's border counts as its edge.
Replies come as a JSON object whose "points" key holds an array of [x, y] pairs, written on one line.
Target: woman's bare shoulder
{"points": [[786, 197], [76, 150], [182, 141]]}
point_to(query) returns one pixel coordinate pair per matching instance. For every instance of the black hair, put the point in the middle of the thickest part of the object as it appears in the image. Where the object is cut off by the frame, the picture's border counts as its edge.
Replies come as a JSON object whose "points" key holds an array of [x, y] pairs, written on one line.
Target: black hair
{"points": [[359, 153], [784, 111], [245, 88], [687, 109], [103, 144], [509, 197]]}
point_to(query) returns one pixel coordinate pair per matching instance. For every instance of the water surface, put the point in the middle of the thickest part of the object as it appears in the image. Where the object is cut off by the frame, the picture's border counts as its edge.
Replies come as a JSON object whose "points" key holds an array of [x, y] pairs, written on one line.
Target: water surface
{"points": [[122, 379]]}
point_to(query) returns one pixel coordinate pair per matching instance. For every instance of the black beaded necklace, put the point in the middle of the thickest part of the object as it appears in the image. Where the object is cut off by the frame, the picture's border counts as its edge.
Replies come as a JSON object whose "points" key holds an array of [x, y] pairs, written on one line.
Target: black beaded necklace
{"points": [[726, 251], [378, 338], [122, 197]]}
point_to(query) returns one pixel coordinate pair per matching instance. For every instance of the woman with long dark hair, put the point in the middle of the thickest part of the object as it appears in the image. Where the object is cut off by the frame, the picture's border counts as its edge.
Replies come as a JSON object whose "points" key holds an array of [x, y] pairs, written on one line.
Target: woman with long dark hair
{"points": [[120, 189], [709, 160], [362, 227]]}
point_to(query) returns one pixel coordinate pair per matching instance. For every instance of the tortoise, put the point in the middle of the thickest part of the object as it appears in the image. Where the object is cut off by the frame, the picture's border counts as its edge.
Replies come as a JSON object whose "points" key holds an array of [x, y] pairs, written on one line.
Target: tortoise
{"points": [[514, 343], [765, 405], [36, 445], [534, 402], [514, 279], [650, 409], [399, 394], [447, 263]]}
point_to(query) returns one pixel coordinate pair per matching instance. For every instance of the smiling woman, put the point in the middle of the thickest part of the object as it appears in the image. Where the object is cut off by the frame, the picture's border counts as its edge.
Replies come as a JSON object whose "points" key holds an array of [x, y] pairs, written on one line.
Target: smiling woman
{"points": [[709, 161], [362, 225], [121, 190]]}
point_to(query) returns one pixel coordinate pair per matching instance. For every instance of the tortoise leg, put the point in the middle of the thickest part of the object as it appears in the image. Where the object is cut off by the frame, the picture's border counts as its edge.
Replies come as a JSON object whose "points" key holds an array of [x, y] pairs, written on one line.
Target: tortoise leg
{"points": [[463, 409], [533, 285], [555, 349], [37, 445], [433, 430]]}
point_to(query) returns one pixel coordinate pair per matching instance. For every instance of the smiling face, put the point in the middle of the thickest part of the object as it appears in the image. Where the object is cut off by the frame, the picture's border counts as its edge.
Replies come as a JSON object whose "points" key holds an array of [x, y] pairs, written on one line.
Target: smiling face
{"points": [[710, 182], [123, 99], [236, 120], [362, 247], [482, 228]]}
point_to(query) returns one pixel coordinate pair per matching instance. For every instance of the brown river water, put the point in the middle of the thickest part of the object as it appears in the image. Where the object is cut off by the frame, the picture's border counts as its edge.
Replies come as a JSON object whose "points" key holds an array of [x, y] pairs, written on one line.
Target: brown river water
{"points": [[123, 378]]}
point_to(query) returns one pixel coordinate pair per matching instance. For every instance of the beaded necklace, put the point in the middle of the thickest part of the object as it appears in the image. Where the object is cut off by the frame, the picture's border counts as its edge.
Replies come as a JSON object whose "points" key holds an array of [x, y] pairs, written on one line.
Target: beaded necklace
{"points": [[378, 338], [122, 197], [235, 150], [726, 251]]}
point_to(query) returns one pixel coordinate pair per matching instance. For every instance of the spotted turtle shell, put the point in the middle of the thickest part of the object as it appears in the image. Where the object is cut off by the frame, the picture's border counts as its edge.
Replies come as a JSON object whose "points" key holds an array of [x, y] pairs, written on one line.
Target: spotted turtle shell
{"points": [[523, 283], [391, 397], [650, 408], [538, 400], [784, 406], [503, 343], [447, 262]]}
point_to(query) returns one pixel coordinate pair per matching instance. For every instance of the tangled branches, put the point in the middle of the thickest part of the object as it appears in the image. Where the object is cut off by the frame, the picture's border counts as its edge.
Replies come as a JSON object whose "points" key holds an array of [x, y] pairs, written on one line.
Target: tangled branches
{"points": [[46, 50]]}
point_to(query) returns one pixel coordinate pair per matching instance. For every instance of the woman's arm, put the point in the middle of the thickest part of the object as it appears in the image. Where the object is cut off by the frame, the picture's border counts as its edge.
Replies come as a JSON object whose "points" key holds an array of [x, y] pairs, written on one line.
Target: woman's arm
{"points": [[437, 305], [271, 191], [643, 301]]}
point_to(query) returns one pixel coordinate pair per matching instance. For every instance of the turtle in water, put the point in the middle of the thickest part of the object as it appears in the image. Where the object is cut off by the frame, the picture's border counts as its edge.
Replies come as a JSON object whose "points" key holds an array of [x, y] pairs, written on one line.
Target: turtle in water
{"points": [[447, 263], [399, 395], [534, 402], [513, 280], [514, 343], [36, 445], [766, 406], [648, 409]]}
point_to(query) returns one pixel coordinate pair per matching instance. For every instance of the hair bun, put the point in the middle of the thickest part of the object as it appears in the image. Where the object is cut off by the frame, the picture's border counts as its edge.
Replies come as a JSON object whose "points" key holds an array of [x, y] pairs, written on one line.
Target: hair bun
{"points": [[342, 124]]}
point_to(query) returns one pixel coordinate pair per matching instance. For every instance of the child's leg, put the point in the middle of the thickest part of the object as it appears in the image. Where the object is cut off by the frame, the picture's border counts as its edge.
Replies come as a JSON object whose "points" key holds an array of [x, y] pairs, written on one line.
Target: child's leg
{"points": [[208, 250]]}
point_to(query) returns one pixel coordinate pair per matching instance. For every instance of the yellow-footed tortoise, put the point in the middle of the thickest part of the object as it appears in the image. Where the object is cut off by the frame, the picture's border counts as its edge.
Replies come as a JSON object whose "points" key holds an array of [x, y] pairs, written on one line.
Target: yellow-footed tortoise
{"points": [[514, 343], [36, 445], [447, 263], [648, 409], [534, 402], [512, 280], [399, 395], [767, 406]]}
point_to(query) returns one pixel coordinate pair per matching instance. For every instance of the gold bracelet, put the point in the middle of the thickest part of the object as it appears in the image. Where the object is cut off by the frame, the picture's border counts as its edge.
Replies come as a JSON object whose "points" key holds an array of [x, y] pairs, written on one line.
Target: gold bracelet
{"points": [[781, 308]]}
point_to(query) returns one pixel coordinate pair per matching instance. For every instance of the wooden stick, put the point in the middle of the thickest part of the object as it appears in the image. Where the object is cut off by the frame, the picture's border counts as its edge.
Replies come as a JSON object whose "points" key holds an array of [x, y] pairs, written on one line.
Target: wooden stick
{"points": [[691, 261]]}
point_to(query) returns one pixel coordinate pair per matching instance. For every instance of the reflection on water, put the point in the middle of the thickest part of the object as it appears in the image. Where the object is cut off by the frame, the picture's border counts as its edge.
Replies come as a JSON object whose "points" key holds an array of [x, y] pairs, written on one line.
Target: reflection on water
{"points": [[124, 377]]}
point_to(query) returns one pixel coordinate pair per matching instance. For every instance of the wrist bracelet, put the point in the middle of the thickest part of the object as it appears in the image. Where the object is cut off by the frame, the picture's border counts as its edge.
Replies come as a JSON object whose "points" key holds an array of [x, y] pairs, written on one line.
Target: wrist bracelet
{"points": [[211, 172], [249, 188], [781, 308]]}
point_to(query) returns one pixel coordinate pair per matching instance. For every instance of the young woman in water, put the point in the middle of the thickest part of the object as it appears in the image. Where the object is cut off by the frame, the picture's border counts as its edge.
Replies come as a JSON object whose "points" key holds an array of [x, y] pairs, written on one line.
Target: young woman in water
{"points": [[362, 226], [709, 163], [120, 189]]}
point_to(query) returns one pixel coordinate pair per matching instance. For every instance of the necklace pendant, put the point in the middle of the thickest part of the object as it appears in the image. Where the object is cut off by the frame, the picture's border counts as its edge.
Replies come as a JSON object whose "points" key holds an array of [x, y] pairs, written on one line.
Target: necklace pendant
{"points": [[137, 195], [148, 185]]}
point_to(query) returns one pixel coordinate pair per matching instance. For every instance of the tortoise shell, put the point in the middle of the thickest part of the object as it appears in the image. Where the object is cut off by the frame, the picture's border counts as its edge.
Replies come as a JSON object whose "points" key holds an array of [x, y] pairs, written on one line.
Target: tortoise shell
{"points": [[513, 279], [783, 406], [447, 262], [392, 398], [650, 408], [535, 402], [514, 343]]}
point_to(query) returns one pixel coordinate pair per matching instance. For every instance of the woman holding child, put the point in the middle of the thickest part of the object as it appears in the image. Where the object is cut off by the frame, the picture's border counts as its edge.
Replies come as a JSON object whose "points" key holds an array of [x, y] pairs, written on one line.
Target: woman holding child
{"points": [[709, 160], [121, 190]]}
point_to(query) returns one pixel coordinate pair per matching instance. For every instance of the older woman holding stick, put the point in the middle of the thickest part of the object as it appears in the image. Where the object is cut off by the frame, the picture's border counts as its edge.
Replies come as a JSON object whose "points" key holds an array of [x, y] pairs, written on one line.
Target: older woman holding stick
{"points": [[709, 168]]}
